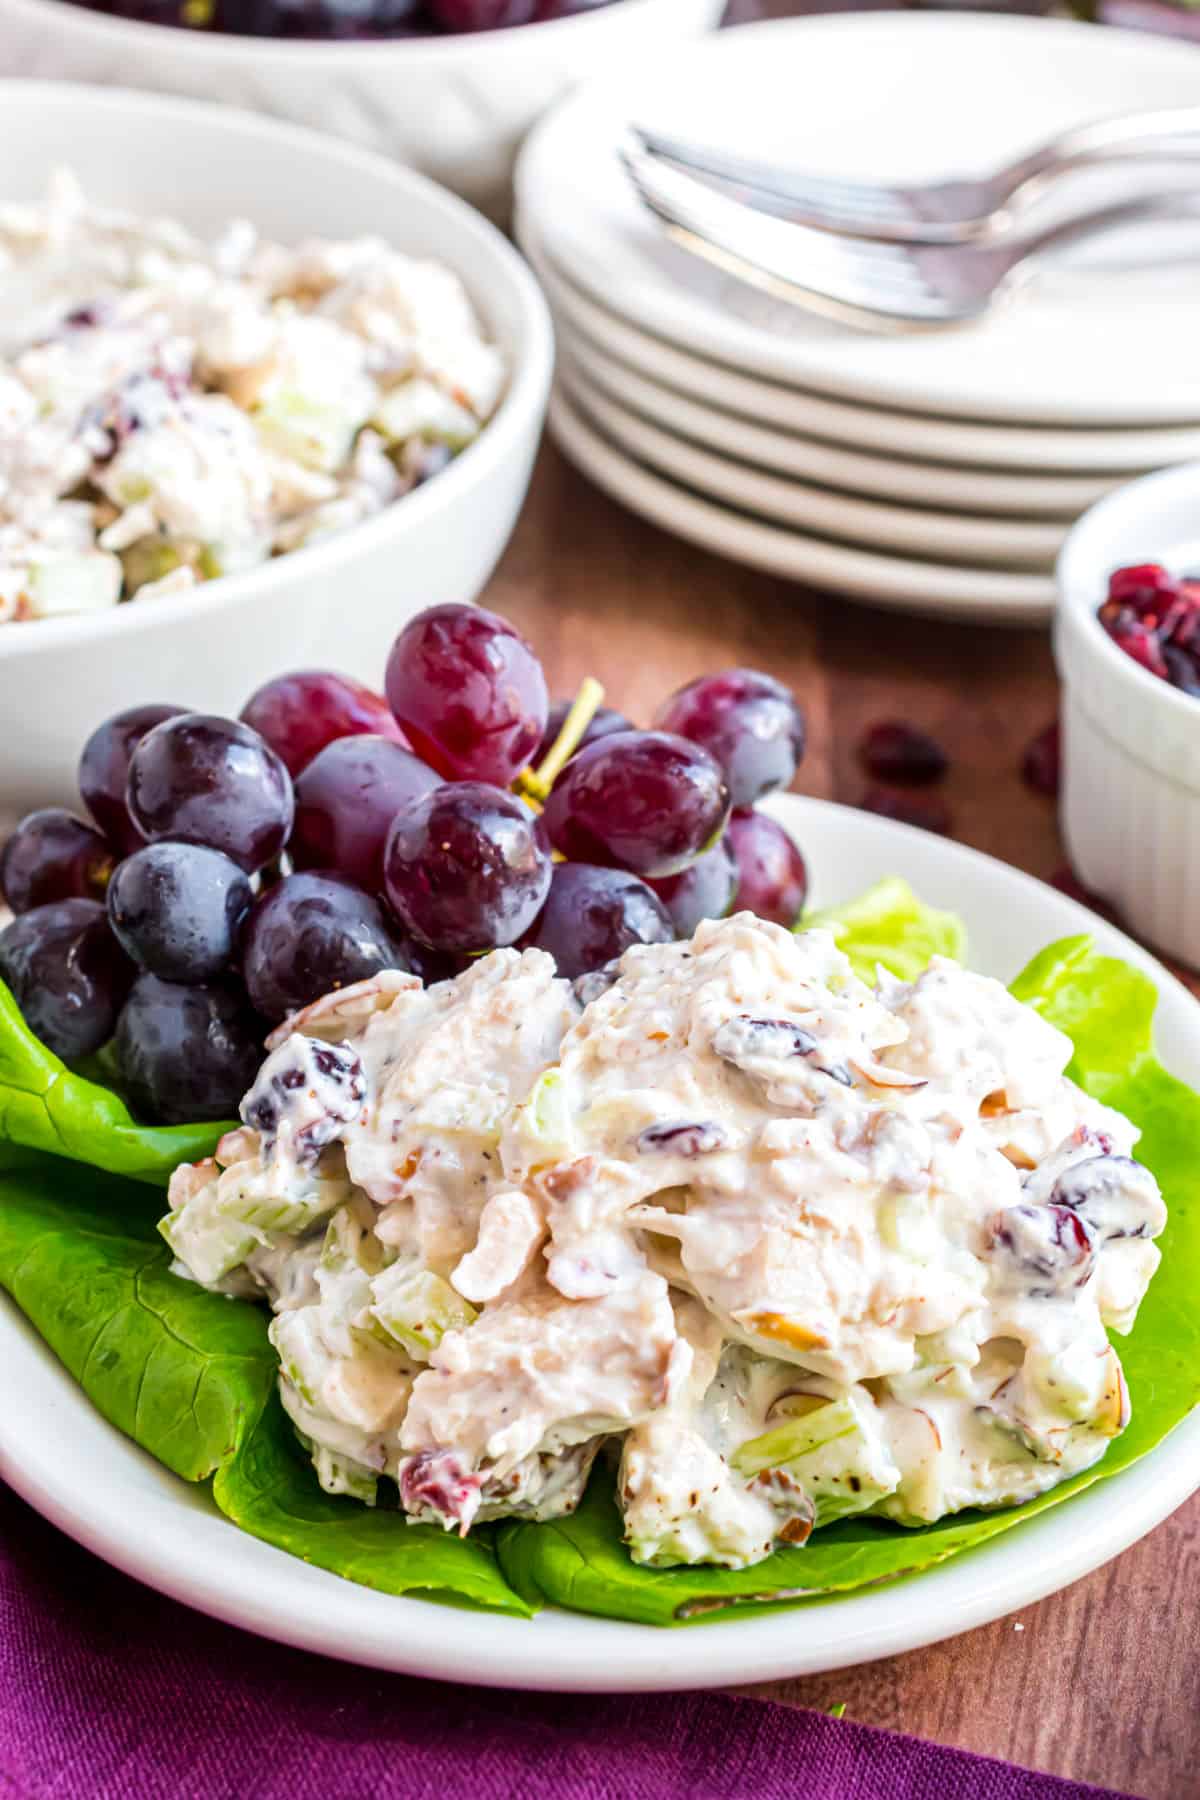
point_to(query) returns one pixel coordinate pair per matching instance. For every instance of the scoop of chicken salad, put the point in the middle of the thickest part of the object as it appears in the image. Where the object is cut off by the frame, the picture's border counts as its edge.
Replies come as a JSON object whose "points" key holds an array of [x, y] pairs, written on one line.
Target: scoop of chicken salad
{"points": [[172, 410], [793, 1247]]}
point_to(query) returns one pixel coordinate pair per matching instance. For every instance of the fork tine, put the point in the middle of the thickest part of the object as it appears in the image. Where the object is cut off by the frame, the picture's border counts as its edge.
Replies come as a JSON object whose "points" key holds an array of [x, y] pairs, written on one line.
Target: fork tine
{"points": [[891, 273], [820, 192], [803, 262]]}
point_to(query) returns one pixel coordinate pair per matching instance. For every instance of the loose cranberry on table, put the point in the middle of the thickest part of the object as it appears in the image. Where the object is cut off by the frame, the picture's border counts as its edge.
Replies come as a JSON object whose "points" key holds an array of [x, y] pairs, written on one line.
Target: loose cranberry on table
{"points": [[1154, 617], [894, 751], [1040, 764]]}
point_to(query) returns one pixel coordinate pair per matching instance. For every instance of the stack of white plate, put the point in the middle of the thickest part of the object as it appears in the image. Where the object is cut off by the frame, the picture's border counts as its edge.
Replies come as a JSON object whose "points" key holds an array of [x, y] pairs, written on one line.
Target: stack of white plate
{"points": [[936, 472]]}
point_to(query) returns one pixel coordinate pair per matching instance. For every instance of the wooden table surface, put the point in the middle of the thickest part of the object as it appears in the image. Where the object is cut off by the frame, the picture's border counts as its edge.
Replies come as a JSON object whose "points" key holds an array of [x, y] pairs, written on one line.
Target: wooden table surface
{"points": [[1100, 1682]]}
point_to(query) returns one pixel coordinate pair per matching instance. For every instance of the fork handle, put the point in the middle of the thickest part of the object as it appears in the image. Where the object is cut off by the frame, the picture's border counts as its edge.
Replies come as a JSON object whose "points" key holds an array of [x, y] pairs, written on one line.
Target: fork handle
{"points": [[1172, 134], [1108, 218]]}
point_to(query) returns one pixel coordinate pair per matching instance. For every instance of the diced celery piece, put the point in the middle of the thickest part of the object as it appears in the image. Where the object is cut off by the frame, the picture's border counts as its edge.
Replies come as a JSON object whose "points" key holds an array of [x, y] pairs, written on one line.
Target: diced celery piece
{"points": [[419, 408], [340, 1475], [206, 1241], [251, 1200], [350, 1245], [149, 559], [311, 432], [417, 1308], [546, 1118], [836, 1452], [303, 1355], [74, 582], [780, 1447], [907, 1225]]}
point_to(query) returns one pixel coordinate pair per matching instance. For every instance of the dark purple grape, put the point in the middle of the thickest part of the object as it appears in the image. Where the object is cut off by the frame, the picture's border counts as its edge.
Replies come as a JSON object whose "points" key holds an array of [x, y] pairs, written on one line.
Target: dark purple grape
{"points": [[68, 974], [749, 722], [480, 15], [104, 770], [1115, 1197], [201, 779], [52, 855], [469, 693], [177, 909], [592, 915], [772, 878], [704, 891], [646, 801], [1046, 1249], [312, 933], [299, 714], [346, 800], [894, 751], [187, 1053], [603, 722], [684, 1137], [467, 867]]}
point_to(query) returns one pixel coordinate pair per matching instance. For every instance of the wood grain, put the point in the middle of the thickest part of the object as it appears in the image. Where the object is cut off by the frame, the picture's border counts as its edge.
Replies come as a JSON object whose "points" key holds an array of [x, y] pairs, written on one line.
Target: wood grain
{"points": [[1102, 1683]]}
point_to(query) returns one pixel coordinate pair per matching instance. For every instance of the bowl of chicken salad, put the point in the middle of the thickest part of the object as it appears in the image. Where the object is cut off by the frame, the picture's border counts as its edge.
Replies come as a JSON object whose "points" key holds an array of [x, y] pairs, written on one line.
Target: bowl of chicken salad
{"points": [[261, 395], [747, 1281]]}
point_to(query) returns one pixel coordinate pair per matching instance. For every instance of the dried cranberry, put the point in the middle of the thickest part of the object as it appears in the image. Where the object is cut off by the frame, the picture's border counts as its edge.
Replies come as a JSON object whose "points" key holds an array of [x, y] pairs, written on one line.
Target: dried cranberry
{"points": [[687, 1138], [1146, 587], [893, 751], [1135, 638], [1040, 763], [437, 1484], [1183, 668], [909, 809]]}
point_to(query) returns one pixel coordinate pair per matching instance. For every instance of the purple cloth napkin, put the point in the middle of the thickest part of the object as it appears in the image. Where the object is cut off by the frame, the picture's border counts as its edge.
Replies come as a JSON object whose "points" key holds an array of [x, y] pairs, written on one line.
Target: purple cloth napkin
{"points": [[109, 1692]]}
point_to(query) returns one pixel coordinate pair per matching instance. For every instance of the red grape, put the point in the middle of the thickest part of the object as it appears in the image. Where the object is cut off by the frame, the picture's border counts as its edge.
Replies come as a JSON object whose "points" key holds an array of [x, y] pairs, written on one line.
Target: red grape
{"points": [[467, 867], [52, 855], [479, 15], [772, 878], [299, 714], [592, 915], [469, 693], [603, 722], [750, 722], [703, 891], [104, 770], [312, 933], [346, 800], [67, 973], [187, 1053], [200, 779], [177, 909], [646, 801]]}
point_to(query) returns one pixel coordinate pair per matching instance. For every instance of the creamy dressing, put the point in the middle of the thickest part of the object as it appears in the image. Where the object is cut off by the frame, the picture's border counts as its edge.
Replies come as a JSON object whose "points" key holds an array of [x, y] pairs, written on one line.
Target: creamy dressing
{"points": [[802, 1247], [171, 410]]}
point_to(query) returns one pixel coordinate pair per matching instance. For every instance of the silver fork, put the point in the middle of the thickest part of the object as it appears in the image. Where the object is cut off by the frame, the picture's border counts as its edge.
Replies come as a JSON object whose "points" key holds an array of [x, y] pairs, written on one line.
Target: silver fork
{"points": [[900, 287], [943, 212]]}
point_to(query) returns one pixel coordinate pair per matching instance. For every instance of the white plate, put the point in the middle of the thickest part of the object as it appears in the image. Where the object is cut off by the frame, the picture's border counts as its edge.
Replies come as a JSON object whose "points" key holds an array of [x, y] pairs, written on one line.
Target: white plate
{"points": [[87, 1478], [1060, 497], [916, 531], [944, 590], [905, 435], [903, 96]]}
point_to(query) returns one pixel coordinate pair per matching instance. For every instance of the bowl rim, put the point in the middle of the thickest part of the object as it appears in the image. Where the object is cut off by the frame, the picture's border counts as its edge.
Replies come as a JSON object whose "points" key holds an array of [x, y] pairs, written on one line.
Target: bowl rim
{"points": [[1079, 603], [525, 394], [139, 34]]}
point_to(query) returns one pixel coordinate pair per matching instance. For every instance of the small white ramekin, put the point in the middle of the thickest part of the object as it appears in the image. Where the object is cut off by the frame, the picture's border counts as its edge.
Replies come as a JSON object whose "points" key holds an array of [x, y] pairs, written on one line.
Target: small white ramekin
{"points": [[1130, 798]]}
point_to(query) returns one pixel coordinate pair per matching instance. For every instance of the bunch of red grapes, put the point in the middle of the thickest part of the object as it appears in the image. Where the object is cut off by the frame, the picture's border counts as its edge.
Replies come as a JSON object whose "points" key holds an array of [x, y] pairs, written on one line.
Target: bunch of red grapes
{"points": [[342, 19], [237, 869]]}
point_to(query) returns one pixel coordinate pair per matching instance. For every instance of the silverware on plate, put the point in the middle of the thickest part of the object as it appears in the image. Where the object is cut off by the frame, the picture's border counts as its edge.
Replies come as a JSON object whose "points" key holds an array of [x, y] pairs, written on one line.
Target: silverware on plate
{"points": [[862, 281], [961, 210]]}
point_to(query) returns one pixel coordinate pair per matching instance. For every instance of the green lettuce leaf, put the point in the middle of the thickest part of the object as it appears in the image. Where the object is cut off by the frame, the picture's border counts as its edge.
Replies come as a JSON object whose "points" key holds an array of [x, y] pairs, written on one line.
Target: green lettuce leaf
{"points": [[889, 925], [44, 1106], [1107, 1009], [190, 1376]]}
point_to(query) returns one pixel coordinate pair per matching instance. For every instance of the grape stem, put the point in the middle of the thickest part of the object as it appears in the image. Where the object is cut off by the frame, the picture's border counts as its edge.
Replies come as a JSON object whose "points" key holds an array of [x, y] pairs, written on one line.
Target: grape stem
{"points": [[535, 784]]}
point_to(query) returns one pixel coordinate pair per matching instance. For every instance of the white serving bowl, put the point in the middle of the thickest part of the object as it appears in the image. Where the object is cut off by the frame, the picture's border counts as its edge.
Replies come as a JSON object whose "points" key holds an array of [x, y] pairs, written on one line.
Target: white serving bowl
{"points": [[454, 107], [339, 603], [1130, 801]]}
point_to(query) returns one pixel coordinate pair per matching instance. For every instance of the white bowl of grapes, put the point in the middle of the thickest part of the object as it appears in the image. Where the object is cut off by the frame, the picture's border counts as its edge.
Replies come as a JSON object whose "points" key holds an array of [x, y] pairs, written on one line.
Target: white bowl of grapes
{"points": [[263, 396], [449, 87], [220, 876]]}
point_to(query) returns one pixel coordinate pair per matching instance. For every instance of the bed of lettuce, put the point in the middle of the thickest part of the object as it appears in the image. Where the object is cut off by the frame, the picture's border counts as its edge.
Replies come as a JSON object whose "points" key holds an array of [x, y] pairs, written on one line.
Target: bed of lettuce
{"points": [[190, 1376]]}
